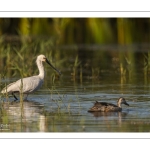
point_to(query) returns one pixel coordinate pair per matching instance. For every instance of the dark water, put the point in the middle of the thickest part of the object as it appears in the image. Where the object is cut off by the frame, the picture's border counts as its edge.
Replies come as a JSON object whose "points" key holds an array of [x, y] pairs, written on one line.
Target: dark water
{"points": [[63, 107]]}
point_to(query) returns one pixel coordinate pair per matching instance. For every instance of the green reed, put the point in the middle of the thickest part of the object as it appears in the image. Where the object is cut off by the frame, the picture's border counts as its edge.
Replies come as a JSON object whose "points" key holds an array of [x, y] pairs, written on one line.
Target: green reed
{"points": [[60, 102], [77, 70], [23, 56], [3, 105]]}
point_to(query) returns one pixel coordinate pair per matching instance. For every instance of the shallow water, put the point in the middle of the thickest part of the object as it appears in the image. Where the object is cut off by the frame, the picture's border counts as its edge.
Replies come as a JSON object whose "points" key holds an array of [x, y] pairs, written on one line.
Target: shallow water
{"points": [[63, 107]]}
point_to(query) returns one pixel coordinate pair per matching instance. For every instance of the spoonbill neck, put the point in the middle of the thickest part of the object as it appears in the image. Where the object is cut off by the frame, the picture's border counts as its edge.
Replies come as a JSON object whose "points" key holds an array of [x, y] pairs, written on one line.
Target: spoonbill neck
{"points": [[41, 68]]}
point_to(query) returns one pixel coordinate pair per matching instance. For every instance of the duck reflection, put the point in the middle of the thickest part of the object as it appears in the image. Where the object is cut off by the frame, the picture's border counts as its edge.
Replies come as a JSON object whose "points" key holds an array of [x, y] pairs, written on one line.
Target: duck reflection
{"points": [[108, 114]]}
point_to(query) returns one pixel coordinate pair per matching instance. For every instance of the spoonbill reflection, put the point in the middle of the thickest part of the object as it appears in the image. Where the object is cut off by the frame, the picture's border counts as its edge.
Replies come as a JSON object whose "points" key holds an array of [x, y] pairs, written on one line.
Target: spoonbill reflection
{"points": [[29, 84]]}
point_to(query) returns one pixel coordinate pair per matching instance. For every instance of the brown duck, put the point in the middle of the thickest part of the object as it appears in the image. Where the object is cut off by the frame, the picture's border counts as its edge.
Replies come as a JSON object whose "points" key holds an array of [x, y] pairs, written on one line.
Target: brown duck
{"points": [[108, 107]]}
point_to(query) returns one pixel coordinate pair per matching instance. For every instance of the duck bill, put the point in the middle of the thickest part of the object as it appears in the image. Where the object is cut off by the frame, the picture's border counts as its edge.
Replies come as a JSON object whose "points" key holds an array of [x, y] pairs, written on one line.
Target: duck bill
{"points": [[126, 103], [53, 67]]}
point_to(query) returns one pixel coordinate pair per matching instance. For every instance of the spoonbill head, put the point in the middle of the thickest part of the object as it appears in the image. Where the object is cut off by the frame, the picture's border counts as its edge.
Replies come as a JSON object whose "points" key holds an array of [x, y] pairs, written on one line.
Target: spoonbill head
{"points": [[42, 58], [29, 84]]}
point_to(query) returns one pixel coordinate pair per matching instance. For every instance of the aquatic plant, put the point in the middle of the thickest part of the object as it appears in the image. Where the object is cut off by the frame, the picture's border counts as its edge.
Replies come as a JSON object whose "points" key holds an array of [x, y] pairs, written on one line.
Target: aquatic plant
{"points": [[77, 69]]}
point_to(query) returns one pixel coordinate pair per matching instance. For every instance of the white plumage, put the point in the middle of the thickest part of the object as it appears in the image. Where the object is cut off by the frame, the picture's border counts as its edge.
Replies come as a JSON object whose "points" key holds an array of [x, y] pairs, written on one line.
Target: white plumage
{"points": [[29, 84]]}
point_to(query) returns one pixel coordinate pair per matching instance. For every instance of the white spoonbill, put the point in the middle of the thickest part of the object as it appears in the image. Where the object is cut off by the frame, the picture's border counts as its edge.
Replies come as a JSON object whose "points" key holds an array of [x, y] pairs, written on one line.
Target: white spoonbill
{"points": [[29, 84]]}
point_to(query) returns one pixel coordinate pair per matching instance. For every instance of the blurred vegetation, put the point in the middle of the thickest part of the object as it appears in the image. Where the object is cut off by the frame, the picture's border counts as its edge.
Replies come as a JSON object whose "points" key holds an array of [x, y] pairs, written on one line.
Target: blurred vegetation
{"points": [[79, 30], [99, 44]]}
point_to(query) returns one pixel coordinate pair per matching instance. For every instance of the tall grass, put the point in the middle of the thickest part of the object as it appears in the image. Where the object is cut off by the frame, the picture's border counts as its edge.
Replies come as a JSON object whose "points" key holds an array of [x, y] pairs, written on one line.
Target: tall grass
{"points": [[61, 102], [23, 56]]}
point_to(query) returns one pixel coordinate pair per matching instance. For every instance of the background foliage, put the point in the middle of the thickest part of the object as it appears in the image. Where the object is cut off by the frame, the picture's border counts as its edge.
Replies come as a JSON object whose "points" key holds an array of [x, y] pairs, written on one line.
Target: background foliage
{"points": [[90, 44]]}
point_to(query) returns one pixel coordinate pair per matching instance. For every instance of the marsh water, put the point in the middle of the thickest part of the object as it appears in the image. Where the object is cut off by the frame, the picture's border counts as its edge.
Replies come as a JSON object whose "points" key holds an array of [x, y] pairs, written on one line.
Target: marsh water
{"points": [[63, 108], [62, 104]]}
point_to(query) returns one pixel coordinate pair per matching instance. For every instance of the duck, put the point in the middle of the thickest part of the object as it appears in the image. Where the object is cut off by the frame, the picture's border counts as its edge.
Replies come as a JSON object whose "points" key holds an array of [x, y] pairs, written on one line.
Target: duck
{"points": [[108, 107]]}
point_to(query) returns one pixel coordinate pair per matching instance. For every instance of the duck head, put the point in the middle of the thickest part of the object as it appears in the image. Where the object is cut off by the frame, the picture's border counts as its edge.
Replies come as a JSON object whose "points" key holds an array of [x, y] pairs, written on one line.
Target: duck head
{"points": [[122, 100]]}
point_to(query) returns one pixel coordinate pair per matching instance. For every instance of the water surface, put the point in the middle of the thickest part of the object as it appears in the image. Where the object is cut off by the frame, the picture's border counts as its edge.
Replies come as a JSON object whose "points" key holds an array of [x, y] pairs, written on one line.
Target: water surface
{"points": [[63, 106]]}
